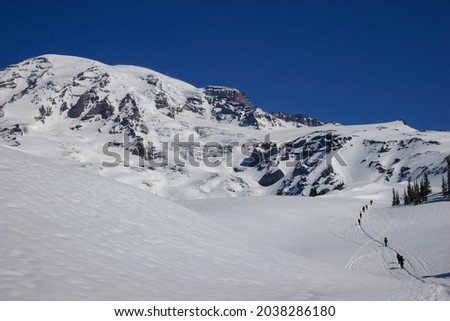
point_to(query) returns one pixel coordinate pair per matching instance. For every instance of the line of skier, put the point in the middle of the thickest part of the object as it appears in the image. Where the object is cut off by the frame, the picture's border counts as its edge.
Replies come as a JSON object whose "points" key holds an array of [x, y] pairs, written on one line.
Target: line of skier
{"points": [[400, 258], [363, 209]]}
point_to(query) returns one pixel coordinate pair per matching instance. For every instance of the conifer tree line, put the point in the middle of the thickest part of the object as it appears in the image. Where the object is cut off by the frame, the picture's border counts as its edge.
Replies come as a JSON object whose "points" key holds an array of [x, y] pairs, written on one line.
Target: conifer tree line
{"points": [[446, 182], [415, 193]]}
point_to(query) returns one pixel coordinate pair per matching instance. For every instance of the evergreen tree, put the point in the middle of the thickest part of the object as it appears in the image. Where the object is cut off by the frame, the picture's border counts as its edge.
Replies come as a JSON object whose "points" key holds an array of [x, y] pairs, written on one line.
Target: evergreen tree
{"points": [[425, 189], [405, 198], [409, 192], [444, 186], [446, 183], [448, 176], [416, 194], [313, 191], [397, 196], [422, 194], [427, 184]]}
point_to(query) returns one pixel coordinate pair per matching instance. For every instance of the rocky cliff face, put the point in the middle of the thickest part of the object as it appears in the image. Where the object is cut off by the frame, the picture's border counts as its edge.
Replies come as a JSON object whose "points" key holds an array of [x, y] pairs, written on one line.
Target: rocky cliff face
{"points": [[298, 118], [229, 104]]}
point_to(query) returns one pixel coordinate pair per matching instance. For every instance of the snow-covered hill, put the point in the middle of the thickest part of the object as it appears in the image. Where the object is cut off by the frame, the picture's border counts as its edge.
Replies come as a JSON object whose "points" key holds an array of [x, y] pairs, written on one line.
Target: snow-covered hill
{"points": [[67, 234]]}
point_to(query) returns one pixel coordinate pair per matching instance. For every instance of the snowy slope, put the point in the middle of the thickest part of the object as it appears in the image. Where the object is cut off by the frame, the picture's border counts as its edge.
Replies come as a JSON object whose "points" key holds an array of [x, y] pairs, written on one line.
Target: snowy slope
{"points": [[325, 229], [69, 234], [405, 154]]}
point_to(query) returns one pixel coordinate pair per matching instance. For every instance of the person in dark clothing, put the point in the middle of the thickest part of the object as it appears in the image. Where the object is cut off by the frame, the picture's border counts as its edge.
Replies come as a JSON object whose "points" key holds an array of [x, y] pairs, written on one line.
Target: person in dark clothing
{"points": [[363, 208], [398, 258], [371, 202], [401, 261], [360, 215], [359, 221], [367, 207], [385, 241]]}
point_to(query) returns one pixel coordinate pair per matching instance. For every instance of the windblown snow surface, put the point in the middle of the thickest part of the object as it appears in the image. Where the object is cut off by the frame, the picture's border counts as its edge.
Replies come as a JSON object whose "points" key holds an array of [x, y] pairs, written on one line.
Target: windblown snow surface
{"points": [[69, 234]]}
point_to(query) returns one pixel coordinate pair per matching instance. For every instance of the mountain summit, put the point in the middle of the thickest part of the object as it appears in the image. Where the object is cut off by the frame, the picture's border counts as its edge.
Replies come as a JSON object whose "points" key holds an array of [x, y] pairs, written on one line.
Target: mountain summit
{"points": [[50, 86]]}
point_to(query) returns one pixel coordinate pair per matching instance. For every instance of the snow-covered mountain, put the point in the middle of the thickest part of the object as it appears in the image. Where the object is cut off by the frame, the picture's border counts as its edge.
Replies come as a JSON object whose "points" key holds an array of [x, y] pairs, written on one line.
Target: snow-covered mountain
{"points": [[178, 141], [66, 232], [85, 90]]}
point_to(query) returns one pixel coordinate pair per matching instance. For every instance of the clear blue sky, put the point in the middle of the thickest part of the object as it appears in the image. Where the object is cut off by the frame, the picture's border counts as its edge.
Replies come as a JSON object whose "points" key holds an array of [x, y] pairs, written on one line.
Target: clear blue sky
{"points": [[353, 62]]}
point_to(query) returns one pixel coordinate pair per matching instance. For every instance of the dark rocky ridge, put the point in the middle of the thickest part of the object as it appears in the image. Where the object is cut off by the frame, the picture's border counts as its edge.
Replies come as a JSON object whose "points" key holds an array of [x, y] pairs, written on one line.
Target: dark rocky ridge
{"points": [[298, 118], [233, 104]]}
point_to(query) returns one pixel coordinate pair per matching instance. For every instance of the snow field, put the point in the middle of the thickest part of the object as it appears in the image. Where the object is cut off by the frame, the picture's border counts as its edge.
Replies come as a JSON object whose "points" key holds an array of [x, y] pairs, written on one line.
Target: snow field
{"points": [[325, 229], [68, 234]]}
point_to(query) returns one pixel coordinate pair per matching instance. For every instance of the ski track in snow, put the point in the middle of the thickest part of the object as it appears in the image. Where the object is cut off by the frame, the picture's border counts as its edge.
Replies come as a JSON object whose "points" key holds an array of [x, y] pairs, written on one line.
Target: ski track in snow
{"points": [[415, 265], [369, 255]]}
